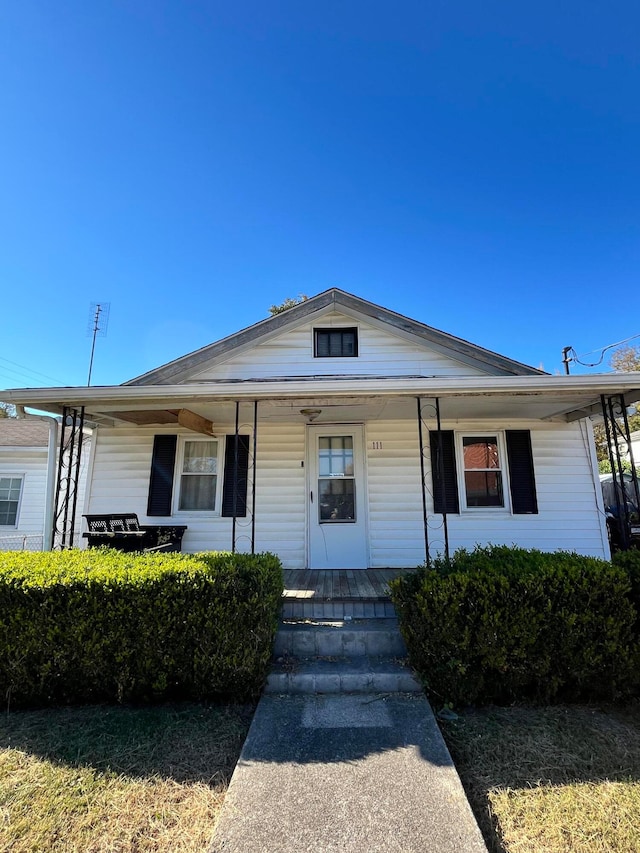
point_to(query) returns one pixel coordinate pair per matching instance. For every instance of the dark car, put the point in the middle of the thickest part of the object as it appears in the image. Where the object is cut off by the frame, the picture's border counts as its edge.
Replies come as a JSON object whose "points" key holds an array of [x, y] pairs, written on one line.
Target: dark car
{"points": [[616, 508]]}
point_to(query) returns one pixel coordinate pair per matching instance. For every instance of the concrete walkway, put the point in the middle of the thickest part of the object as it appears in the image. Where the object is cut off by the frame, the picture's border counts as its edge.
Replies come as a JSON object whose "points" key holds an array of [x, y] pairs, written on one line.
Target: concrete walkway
{"points": [[360, 773]]}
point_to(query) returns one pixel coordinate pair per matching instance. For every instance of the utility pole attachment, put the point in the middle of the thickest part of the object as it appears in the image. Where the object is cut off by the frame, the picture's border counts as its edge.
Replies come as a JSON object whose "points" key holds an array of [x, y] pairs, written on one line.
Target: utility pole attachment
{"points": [[566, 359]]}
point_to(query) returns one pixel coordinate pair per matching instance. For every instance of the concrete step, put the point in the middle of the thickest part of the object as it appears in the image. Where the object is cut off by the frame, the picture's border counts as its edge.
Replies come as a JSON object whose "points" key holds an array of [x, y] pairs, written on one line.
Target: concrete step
{"points": [[370, 674], [337, 608], [350, 638]]}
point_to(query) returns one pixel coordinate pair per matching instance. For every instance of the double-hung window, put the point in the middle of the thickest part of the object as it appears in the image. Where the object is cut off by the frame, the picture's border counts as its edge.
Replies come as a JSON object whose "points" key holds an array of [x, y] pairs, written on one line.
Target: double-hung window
{"points": [[10, 492], [198, 470], [482, 471]]}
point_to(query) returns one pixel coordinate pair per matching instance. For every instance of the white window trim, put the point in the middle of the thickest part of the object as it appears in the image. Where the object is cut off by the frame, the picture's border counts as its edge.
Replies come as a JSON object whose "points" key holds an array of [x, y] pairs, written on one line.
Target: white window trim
{"points": [[23, 477], [338, 326], [502, 456], [177, 477]]}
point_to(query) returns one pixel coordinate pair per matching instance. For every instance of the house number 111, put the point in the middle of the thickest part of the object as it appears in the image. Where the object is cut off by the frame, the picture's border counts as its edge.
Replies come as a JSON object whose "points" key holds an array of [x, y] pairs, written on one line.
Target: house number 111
{"points": [[376, 445]]}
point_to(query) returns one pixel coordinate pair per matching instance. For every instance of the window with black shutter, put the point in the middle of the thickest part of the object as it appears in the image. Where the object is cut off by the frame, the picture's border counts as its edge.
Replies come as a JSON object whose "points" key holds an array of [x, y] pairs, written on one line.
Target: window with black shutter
{"points": [[521, 474], [443, 472], [163, 462], [335, 343], [236, 468]]}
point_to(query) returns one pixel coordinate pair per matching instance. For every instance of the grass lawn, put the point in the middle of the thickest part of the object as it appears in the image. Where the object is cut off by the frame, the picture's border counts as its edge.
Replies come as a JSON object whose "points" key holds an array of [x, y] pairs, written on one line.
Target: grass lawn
{"points": [[552, 780], [98, 779]]}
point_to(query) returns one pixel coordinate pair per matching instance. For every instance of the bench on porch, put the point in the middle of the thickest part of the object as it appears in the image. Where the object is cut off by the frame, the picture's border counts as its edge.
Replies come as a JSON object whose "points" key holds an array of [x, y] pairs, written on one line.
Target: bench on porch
{"points": [[123, 532]]}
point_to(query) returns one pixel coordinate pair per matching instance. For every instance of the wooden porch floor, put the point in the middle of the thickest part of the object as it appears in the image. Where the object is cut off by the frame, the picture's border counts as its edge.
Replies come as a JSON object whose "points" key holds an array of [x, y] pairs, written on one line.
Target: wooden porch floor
{"points": [[339, 583]]}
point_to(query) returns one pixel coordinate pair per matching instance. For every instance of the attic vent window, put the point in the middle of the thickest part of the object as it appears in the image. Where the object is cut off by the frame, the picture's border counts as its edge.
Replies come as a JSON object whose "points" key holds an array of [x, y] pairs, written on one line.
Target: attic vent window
{"points": [[335, 343]]}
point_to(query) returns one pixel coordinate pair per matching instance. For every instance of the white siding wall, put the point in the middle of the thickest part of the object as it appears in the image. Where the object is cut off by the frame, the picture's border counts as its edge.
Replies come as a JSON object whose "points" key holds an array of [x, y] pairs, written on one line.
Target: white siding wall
{"points": [[32, 465], [281, 492], [379, 353], [568, 516], [396, 530], [121, 472], [120, 483]]}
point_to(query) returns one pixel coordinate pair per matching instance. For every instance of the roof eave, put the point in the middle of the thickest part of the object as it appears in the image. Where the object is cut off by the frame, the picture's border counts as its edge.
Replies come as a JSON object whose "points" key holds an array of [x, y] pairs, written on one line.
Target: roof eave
{"points": [[97, 400]]}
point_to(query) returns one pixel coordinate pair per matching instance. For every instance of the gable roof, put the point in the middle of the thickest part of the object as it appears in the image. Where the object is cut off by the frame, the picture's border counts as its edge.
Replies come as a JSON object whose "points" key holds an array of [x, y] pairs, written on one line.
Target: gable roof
{"points": [[334, 298], [22, 432]]}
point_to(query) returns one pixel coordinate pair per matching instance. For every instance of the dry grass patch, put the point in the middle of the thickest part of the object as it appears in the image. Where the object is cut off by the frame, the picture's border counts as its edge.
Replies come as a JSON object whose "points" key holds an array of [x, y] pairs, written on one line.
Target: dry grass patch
{"points": [[552, 780], [101, 779], [595, 817]]}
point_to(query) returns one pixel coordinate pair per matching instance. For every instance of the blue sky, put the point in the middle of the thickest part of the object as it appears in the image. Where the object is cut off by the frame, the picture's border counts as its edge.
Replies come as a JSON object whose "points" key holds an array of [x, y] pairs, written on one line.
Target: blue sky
{"points": [[474, 165]]}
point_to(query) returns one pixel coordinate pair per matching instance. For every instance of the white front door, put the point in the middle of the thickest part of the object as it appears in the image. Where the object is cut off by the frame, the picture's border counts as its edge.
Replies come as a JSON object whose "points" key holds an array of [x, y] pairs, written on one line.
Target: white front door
{"points": [[336, 496]]}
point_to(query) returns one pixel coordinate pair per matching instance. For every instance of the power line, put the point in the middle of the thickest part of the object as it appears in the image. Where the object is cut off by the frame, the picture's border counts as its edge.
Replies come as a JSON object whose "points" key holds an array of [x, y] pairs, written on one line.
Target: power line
{"points": [[24, 368], [14, 376], [569, 354]]}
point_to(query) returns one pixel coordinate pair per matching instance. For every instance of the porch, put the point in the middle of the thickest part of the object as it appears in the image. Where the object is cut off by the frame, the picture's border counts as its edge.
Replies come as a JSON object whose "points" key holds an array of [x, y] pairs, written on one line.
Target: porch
{"points": [[338, 593], [398, 445]]}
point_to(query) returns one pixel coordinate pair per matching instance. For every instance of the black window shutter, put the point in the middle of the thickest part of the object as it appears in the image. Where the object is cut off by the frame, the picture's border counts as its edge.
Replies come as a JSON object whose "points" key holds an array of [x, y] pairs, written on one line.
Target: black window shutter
{"points": [[443, 472], [161, 482], [521, 476], [241, 484]]}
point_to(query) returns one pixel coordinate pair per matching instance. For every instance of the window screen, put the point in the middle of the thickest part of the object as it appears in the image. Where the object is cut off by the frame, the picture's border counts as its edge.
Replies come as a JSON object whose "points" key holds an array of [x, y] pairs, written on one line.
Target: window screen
{"points": [[336, 343]]}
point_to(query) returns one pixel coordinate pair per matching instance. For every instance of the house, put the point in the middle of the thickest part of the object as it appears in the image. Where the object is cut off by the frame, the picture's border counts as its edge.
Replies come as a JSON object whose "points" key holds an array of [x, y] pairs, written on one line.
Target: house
{"points": [[24, 479], [29, 456], [340, 434]]}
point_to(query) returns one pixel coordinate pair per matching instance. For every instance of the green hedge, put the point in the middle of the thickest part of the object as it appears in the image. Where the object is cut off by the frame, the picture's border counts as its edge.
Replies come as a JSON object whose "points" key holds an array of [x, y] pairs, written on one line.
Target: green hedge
{"points": [[500, 624], [99, 625], [629, 562]]}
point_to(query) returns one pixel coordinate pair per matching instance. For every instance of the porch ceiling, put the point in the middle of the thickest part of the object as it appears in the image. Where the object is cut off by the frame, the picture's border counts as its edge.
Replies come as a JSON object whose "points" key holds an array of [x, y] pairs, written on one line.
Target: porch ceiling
{"points": [[345, 399]]}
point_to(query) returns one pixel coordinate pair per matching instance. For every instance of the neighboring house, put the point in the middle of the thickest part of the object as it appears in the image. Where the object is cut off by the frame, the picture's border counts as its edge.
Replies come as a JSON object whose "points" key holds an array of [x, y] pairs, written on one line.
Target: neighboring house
{"points": [[340, 434], [28, 461], [24, 481], [635, 448]]}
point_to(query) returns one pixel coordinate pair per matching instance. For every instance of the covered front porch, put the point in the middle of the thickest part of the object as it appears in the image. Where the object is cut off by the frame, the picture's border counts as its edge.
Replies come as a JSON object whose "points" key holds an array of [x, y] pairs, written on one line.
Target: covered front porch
{"points": [[268, 472]]}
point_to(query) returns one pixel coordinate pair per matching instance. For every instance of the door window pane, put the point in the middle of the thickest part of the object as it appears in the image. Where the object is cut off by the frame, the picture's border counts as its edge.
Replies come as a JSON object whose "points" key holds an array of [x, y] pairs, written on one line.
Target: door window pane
{"points": [[336, 456], [337, 500], [336, 483]]}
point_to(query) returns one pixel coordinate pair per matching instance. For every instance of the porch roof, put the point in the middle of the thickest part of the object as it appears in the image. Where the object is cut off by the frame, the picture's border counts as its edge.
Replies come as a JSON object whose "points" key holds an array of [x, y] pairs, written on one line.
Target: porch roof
{"points": [[541, 397]]}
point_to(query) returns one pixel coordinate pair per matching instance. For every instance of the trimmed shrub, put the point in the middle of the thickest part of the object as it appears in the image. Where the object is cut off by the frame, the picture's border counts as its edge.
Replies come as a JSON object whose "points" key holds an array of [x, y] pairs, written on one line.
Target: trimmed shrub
{"points": [[100, 625], [500, 624], [629, 561]]}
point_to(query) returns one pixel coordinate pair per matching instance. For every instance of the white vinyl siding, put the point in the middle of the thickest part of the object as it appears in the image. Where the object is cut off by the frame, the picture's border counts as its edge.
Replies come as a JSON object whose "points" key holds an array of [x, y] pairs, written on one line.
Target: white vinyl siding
{"points": [[121, 472], [281, 497], [380, 353], [568, 516], [396, 529]]}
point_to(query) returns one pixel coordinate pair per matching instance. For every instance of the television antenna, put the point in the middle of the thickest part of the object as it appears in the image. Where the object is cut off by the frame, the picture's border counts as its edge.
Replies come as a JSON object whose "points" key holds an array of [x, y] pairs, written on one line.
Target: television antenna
{"points": [[97, 327]]}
